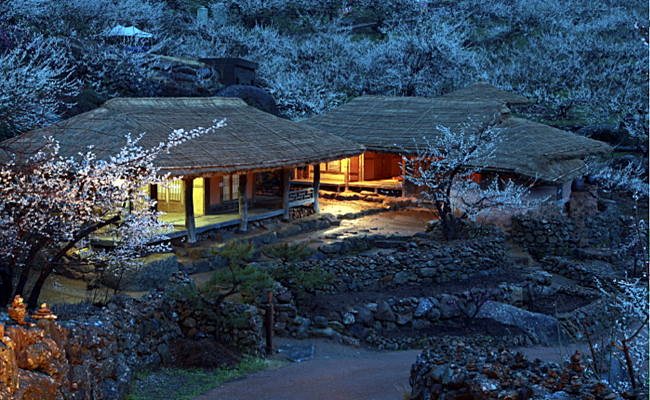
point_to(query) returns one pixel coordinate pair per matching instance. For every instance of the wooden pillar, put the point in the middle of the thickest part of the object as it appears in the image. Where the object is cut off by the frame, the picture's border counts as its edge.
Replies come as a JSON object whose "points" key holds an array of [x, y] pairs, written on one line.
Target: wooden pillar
{"points": [[286, 185], [403, 177], [316, 188], [206, 195], [153, 195], [362, 167], [347, 173], [188, 194], [243, 203]]}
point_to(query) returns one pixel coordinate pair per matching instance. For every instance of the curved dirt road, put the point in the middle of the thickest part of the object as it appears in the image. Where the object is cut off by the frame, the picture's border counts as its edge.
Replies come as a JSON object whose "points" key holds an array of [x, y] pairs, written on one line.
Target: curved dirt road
{"points": [[337, 372]]}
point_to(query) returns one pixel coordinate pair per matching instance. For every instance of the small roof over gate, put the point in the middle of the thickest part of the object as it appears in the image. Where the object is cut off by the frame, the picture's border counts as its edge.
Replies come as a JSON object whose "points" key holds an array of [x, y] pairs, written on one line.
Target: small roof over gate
{"points": [[252, 141]]}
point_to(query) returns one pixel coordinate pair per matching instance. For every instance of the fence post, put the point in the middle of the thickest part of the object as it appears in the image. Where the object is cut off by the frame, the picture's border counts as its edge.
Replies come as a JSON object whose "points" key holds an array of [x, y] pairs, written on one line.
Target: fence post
{"points": [[269, 323]]}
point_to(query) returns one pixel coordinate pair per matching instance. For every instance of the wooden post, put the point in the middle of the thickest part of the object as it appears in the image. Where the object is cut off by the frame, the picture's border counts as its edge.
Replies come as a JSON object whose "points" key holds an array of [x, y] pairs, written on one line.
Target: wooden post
{"points": [[243, 203], [347, 173], [316, 188], [206, 195], [286, 186], [269, 323], [190, 224], [153, 195], [403, 177], [362, 167]]}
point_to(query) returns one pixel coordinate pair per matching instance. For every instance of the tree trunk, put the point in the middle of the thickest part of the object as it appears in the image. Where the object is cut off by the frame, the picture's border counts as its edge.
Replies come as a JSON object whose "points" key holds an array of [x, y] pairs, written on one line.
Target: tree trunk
{"points": [[24, 273], [36, 291], [49, 267], [6, 275]]}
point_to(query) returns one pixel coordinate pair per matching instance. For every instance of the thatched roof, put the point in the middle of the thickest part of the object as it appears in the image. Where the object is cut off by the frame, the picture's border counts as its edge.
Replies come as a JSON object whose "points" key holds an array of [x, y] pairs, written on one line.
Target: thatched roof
{"points": [[399, 124], [252, 141], [540, 151], [482, 91]]}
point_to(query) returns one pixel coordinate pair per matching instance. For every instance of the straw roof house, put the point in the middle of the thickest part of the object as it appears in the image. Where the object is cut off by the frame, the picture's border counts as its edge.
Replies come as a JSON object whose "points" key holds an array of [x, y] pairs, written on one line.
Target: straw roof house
{"points": [[481, 91], [399, 125], [252, 141]]}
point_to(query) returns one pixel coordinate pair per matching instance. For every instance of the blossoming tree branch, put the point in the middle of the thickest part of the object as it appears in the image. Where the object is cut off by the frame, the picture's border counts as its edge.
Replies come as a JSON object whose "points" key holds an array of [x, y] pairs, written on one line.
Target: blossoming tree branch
{"points": [[52, 207]]}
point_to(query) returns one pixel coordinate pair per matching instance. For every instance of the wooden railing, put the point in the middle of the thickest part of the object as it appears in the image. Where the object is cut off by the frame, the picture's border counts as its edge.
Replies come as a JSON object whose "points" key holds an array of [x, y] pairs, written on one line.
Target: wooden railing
{"points": [[301, 196]]}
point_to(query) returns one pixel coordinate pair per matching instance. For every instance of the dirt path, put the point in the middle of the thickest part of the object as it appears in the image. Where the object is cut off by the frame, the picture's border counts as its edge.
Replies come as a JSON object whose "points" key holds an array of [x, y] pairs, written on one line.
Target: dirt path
{"points": [[336, 372], [339, 372]]}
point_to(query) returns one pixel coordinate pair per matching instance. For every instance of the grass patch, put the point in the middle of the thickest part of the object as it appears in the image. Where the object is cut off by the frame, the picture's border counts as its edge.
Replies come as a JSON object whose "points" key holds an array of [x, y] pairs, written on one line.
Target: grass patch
{"points": [[179, 384]]}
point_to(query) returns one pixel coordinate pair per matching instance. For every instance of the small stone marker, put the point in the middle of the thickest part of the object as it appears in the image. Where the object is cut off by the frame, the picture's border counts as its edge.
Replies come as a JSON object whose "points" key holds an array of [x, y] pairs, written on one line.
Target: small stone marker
{"points": [[297, 352]]}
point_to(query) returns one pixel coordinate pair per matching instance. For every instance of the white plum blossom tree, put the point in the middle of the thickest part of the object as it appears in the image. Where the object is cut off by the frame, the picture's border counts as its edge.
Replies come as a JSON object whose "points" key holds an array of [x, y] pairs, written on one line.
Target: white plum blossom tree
{"points": [[628, 305], [51, 208], [443, 168], [36, 80]]}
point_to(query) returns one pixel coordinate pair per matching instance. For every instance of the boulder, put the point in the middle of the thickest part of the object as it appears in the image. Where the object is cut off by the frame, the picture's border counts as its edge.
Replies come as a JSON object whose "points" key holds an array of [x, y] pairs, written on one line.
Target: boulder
{"points": [[364, 317], [384, 312], [545, 327]]}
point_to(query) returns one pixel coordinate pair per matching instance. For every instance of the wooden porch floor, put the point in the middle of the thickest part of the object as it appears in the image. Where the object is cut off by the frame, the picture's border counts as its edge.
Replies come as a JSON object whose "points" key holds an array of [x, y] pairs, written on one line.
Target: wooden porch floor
{"points": [[207, 222], [338, 186]]}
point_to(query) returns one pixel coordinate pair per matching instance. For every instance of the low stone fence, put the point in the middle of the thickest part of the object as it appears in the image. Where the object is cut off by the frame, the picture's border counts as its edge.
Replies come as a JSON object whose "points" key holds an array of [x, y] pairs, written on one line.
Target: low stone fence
{"points": [[367, 321], [423, 261], [461, 372], [543, 237]]}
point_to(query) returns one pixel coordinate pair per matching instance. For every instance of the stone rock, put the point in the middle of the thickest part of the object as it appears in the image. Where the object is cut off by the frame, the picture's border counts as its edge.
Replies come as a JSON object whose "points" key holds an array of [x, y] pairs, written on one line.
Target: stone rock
{"points": [[448, 307], [404, 318], [8, 368], [320, 322], [348, 319], [165, 353], [297, 352], [334, 316], [544, 326], [350, 341], [302, 331], [35, 386], [288, 231], [333, 248], [324, 333], [320, 256], [424, 305], [384, 312], [364, 317], [337, 326], [433, 314], [359, 331], [401, 277], [285, 297]]}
